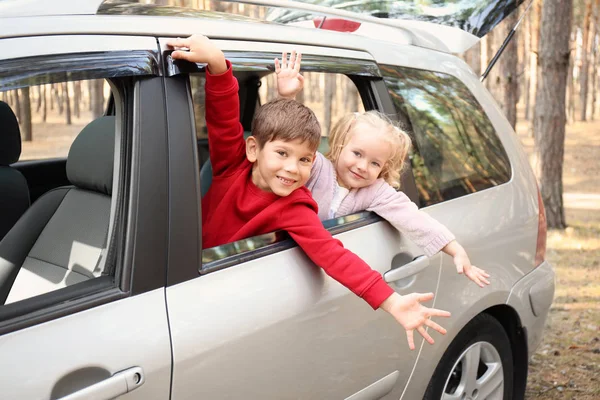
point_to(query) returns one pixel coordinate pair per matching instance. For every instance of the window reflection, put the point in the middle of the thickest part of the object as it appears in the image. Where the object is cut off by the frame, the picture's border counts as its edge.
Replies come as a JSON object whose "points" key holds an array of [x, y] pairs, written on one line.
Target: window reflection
{"points": [[456, 149]]}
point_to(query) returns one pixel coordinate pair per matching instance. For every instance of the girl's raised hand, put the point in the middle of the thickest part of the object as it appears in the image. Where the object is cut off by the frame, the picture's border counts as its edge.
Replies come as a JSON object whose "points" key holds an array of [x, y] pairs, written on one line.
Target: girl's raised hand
{"points": [[289, 80]]}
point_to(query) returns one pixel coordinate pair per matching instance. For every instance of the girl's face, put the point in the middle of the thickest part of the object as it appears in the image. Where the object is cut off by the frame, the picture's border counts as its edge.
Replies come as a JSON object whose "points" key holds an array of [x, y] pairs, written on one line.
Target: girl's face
{"points": [[362, 158]]}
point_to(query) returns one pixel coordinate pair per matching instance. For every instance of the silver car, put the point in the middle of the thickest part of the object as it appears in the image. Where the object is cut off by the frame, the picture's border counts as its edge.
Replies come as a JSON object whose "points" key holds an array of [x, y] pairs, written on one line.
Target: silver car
{"points": [[106, 290]]}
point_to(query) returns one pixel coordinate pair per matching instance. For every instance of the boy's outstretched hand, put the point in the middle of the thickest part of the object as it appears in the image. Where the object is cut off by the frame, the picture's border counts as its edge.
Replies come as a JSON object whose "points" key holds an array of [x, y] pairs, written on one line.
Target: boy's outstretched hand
{"points": [[289, 80], [199, 49], [411, 314]]}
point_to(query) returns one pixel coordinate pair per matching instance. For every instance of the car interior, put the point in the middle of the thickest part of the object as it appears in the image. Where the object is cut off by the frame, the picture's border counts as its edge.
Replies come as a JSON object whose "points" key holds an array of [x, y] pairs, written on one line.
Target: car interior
{"points": [[61, 239]]}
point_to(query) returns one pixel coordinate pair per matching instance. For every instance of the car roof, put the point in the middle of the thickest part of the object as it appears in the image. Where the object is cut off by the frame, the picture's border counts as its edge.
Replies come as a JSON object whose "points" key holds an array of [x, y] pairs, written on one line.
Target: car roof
{"points": [[32, 17]]}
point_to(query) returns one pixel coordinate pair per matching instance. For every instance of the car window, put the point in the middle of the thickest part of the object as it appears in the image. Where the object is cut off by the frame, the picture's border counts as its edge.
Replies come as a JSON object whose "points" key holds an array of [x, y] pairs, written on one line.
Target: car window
{"points": [[329, 95], [51, 115], [61, 215], [456, 150]]}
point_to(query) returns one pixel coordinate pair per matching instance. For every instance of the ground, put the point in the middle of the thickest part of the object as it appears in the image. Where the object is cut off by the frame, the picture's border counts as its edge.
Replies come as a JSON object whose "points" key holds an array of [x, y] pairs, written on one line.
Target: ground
{"points": [[567, 363]]}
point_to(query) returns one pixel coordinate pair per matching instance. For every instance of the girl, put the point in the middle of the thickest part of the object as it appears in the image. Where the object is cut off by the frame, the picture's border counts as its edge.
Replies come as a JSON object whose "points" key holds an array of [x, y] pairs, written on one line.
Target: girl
{"points": [[361, 171]]}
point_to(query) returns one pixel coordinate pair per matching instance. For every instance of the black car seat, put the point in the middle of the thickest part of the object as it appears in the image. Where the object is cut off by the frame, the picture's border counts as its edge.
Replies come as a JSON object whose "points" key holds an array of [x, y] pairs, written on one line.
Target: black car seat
{"points": [[61, 237], [14, 192]]}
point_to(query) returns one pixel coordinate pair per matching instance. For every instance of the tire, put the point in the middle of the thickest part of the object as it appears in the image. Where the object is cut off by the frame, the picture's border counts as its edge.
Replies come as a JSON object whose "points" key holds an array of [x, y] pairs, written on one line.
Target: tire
{"points": [[482, 341]]}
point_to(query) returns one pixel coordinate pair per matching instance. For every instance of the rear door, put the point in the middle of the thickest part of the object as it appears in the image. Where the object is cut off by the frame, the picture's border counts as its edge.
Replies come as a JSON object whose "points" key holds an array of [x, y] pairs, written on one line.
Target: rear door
{"points": [[108, 335], [261, 320]]}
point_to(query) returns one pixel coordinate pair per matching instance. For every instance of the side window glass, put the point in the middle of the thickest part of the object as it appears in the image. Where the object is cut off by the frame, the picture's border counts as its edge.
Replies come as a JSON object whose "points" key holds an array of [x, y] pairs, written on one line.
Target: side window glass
{"points": [[456, 149], [55, 224], [50, 116], [329, 95]]}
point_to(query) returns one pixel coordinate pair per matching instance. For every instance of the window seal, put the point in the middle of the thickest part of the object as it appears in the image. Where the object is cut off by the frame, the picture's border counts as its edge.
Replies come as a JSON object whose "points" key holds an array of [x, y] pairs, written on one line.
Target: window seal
{"points": [[263, 62]]}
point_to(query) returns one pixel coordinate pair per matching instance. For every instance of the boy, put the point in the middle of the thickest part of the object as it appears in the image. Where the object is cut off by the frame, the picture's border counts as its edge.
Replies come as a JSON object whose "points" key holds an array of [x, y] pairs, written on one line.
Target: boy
{"points": [[258, 187]]}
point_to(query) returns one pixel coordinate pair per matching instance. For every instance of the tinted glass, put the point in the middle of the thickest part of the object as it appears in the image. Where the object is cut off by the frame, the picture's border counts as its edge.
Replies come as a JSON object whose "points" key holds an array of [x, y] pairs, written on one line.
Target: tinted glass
{"points": [[456, 150]]}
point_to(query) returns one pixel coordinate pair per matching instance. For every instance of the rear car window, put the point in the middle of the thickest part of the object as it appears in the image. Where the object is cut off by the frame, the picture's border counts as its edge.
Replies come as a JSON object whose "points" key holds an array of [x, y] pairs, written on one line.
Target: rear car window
{"points": [[455, 147]]}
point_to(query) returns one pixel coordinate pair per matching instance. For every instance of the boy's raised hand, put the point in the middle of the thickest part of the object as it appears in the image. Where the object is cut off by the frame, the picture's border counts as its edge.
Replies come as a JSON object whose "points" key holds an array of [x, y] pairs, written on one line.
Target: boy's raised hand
{"points": [[289, 80], [199, 49], [411, 314]]}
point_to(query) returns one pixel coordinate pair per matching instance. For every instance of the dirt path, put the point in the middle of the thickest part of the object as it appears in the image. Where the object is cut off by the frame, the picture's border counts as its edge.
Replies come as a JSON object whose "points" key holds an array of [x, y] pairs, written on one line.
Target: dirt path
{"points": [[567, 363]]}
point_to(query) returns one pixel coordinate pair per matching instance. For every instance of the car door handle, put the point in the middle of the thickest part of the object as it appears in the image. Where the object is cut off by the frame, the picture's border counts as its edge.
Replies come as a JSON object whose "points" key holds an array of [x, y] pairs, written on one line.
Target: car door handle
{"points": [[404, 271], [115, 386]]}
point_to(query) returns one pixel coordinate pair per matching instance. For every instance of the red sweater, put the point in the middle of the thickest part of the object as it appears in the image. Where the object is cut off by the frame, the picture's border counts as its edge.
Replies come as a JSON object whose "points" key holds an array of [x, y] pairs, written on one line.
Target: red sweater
{"points": [[234, 208]]}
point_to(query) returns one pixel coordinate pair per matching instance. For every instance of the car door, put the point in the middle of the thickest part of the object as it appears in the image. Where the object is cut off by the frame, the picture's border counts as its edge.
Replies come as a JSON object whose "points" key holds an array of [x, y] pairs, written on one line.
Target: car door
{"points": [[260, 320], [108, 335]]}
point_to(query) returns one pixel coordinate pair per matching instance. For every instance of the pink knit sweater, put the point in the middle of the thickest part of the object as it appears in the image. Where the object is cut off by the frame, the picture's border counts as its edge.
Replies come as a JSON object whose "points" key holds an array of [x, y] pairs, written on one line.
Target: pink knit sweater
{"points": [[384, 200]]}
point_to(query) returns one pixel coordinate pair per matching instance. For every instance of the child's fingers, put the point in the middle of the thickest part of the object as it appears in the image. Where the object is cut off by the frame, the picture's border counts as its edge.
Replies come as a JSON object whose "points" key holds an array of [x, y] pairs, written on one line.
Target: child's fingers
{"points": [[426, 335], [459, 268], [179, 42], [292, 59], [182, 55], [284, 60], [298, 59], [421, 297], [435, 326], [434, 312], [277, 66], [301, 79], [411, 339]]}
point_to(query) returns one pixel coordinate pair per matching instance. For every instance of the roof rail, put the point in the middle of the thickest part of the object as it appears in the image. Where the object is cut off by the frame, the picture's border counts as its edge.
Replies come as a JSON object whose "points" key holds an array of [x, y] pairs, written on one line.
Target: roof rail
{"points": [[424, 34], [34, 8]]}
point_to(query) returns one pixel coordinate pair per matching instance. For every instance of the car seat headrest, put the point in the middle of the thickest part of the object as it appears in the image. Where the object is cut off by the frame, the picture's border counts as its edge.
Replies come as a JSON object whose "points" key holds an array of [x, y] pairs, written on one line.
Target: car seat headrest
{"points": [[10, 136], [91, 157]]}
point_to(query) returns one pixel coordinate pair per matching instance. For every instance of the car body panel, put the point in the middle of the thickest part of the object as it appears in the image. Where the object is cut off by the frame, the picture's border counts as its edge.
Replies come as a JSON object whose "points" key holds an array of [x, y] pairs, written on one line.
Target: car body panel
{"points": [[281, 316], [51, 359]]}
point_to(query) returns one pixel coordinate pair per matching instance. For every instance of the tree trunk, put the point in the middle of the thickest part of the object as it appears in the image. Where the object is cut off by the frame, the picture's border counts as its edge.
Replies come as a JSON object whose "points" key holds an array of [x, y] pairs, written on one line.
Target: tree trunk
{"points": [[26, 110], [596, 62], [77, 99], [39, 99], [328, 102], [571, 84], [473, 58], [17, 105], [508, 72], [45, 103], [57, 89], [97, 98], [535, 39], [583, 90], [526, 39], [549, 119], [67, 99]]}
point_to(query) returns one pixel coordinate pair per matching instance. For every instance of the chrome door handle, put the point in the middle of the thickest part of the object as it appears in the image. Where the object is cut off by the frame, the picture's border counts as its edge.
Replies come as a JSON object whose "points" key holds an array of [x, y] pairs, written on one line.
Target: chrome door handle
{"points": [[406, 270], [115, 386]]}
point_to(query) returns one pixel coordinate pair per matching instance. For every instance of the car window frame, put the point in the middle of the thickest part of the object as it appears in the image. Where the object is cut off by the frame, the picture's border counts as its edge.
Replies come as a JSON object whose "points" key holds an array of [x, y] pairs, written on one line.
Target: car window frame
{"points": [[374, 95], [124, 283]]}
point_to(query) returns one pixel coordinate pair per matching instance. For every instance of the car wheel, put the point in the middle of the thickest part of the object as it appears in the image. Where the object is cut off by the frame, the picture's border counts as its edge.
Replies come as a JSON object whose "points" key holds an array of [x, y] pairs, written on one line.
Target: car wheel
{"points": [[477, 365]]}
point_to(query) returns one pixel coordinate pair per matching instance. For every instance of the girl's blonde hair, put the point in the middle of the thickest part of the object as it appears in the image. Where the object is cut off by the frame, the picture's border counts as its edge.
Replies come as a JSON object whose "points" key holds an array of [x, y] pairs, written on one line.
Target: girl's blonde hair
{"points": [[382, 126]]}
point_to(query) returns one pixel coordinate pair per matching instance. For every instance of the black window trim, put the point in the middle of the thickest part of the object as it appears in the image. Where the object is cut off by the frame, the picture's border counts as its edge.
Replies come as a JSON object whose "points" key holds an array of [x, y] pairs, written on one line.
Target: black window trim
{"points": [[22, 72]]}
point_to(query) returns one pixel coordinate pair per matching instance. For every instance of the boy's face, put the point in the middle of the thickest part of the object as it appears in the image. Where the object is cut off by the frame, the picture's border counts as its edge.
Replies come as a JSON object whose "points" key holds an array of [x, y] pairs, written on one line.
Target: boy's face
{"points": [[280, 167]]}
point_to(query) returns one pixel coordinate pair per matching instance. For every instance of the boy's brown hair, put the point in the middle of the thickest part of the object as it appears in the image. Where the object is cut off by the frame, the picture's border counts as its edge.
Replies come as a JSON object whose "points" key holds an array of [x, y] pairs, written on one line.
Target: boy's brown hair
{"points": [[287, 120]]}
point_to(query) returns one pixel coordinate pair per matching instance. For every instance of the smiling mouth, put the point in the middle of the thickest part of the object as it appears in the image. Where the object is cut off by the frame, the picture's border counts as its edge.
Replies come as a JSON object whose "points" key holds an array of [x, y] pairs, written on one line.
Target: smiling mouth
{"points": [[286, 182], [357, 176]]}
